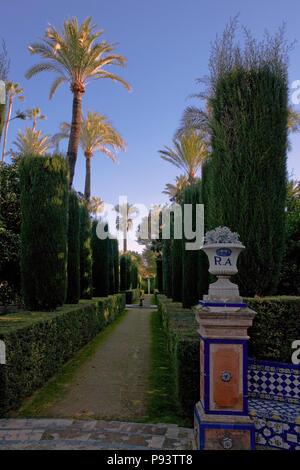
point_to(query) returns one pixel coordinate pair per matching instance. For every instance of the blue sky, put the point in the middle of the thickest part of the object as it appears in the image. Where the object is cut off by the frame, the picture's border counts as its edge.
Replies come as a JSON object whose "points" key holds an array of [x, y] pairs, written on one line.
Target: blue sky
{"points": [[167, 46]]}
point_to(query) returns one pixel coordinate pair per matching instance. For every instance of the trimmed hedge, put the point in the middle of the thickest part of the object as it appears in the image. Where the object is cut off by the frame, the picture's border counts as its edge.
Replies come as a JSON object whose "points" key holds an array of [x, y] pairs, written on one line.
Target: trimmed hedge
{"points": [[38, 344], [132, 295], [73, 284], [275, 326], [180, 328], [85, 233], [44, 208]]}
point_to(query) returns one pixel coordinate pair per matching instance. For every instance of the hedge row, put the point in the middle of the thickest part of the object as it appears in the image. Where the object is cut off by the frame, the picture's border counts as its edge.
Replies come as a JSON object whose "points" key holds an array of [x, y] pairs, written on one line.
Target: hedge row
{"points": [[275, 327], [132, 295], [180, 328], [38, 343]]}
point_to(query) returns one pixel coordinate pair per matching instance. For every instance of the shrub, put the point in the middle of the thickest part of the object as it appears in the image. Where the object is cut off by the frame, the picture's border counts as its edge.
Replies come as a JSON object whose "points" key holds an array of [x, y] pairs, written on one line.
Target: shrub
{"points": [[37, 345], [275, 327], [190, 258], [73, 287], [101, 264], [10, 225], [44, 203], [167, 268], [177, 270], [125, 272], [115, 245], [248, 163], [86, 287], [159, 274]]}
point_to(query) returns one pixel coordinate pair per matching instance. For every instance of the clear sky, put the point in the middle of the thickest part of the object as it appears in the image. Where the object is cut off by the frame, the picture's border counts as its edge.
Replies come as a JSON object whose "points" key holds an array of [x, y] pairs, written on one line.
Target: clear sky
{"points": [[167, 46]]}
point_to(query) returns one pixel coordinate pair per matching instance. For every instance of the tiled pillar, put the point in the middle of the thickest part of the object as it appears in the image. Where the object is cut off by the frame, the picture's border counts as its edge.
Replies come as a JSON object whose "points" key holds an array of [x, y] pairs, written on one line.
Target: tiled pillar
{"points": [[221, 415]]}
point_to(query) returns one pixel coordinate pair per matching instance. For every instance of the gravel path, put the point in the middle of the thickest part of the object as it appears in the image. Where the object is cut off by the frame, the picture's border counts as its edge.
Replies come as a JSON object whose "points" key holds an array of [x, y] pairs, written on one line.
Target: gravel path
{"points": [[113, 383]]}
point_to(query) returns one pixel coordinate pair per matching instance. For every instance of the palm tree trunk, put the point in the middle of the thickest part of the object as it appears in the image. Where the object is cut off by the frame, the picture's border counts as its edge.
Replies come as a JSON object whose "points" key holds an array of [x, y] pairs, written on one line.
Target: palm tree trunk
{"points": [[87, 188], [6, 127], [75, 132], [125, 242]]}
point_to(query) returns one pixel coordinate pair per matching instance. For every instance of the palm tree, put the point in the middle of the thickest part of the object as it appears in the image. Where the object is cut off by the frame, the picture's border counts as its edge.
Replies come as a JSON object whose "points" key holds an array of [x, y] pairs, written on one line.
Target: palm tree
{"points": [[75, 57], [14, 91], [96, 206], [188, 153], [31, 143], [127, 212], [174, 191], [97, 133], [35, 114]]}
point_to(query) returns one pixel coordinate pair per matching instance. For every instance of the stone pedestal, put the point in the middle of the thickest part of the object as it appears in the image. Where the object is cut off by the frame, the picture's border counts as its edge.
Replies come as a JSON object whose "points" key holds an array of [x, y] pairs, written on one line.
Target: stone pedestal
{"points": [[221, 416]]}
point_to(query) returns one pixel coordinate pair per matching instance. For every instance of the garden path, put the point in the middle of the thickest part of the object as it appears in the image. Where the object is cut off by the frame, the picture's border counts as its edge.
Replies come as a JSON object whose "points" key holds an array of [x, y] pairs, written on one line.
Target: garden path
{"points": [[113, 383]]}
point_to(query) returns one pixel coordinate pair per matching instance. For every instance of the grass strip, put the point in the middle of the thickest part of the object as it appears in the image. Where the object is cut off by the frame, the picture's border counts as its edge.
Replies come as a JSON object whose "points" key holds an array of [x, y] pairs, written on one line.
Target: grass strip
{"points": [[163, 405], [37, 405]]}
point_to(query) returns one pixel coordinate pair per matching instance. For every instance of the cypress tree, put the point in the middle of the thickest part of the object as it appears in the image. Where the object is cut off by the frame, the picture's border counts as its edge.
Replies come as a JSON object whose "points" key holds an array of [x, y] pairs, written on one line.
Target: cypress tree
{"points": [[73, 285], [101, 264], [159, 274], [125, 272], [177, 270], [86, 287], [190, 258], [134, 276], [116, 265], [167, 267], [111, 271], [44, 208], [249, 143]]}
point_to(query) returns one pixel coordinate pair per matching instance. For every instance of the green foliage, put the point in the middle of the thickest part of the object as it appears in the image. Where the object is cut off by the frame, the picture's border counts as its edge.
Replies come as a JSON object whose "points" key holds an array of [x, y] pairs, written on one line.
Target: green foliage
{"points": [[101, 264], [44, 203], [275, 327], [125, 272], [115, 245], [290, 273], [73, 286], [190, 258], [177, 270], [10, 223], [134, 275], [167, 267], [39, 343], [163, 405], [159, 274], [86, 287], [248, 171], [180, 328]]}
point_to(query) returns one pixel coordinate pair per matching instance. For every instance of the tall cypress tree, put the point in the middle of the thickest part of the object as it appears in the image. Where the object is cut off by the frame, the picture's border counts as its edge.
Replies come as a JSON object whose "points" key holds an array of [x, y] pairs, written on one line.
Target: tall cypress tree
{"points": [[86, 287], [44, 208], [101, 264], [73, 286], [159, 274], [190, 258], [249, 143], [177, 270], [116, 265], [167, 268]]}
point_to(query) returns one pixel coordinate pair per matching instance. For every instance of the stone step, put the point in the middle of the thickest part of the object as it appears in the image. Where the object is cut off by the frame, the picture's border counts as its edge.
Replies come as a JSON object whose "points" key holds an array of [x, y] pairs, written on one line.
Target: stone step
{"points": [[58, 434]]}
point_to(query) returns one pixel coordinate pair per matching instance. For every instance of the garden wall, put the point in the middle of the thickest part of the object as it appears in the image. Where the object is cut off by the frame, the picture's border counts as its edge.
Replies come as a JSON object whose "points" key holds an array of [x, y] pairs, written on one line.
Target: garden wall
{"points": [[38, 343]]}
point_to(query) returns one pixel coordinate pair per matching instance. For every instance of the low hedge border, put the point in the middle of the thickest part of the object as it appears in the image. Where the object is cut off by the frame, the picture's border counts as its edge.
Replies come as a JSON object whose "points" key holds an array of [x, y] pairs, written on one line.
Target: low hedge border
{"points": [[275, 327], [132, 295], [39, 343]]}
